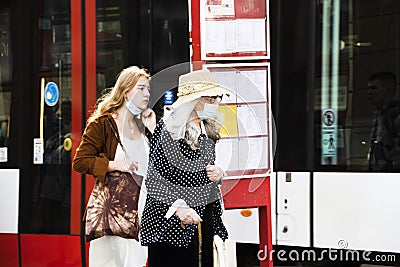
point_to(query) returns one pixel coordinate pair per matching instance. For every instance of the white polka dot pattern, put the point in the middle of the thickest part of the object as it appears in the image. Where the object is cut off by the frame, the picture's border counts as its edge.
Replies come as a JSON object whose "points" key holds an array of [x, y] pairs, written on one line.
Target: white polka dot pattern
{"points": [[178, 172]]}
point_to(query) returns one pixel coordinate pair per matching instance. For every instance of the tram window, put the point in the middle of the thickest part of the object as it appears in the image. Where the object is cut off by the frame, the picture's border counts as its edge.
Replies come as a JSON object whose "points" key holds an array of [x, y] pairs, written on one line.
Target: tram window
{"points": [[113, 41], [358, 72], [5, 99], [5, 79], [52, 184], [327, 97]]}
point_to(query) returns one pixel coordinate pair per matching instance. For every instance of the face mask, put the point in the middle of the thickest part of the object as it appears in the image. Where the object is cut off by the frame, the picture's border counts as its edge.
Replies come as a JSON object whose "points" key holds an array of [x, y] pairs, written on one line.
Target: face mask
{"points": [[132, 108], [208, 112]]}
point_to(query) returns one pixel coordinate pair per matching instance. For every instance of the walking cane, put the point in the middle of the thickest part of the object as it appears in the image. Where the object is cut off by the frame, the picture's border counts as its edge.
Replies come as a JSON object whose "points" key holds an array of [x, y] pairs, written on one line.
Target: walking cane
{"points": [[200, 241]]}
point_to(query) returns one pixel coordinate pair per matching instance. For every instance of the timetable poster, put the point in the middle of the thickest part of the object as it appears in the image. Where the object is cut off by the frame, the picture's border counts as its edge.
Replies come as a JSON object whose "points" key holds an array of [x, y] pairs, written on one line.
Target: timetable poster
{"points": [[234, 28], [244, 143], [230, 36]]}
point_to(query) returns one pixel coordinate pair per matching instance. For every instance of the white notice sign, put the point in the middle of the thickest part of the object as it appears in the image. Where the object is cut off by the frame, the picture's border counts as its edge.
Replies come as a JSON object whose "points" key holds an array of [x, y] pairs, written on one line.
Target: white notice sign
{"points": [[3, 154], [37, 151]]}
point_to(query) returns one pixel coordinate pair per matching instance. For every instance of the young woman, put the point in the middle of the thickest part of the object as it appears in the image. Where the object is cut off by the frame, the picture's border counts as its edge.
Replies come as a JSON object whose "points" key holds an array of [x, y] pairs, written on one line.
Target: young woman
{"points": [[125, 109]]}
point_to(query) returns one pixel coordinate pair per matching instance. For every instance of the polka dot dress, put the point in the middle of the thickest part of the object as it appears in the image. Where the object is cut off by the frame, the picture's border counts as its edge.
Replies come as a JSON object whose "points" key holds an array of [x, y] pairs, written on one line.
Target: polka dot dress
{"points": [[177, 172]]}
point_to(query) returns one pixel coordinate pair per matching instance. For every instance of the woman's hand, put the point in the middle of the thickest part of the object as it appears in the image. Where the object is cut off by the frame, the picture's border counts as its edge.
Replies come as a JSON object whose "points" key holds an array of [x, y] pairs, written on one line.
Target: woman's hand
{"points": [[122, 166], [149, 119], [214, 173], [187, 215]]}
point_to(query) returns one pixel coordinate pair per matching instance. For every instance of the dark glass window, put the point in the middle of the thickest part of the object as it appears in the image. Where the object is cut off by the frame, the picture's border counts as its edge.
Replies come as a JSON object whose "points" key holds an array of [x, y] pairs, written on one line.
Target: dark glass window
{"points": [[5, 82], [358, 39], [117, 23], [52, 185], [151, 34], [336, 85]]}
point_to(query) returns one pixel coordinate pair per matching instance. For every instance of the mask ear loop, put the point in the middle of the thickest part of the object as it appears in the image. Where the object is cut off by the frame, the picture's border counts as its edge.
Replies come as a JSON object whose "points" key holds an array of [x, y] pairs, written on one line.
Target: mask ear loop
{"points": [[204, 104], [134, 94]]}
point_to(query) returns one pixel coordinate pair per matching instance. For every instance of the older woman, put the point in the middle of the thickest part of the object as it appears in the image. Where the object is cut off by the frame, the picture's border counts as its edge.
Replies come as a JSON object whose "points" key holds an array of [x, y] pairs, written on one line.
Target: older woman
{"points": [[183, 199]]}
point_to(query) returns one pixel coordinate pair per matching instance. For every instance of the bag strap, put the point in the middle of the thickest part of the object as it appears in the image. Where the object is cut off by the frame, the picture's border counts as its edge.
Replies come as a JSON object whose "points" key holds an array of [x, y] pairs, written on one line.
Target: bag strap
{"points": [[116, 134]]}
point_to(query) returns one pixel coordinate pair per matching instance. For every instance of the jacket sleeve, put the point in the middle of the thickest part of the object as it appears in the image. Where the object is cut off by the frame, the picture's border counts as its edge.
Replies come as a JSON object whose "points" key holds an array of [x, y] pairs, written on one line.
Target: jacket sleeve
{"points": [[89, 158]]}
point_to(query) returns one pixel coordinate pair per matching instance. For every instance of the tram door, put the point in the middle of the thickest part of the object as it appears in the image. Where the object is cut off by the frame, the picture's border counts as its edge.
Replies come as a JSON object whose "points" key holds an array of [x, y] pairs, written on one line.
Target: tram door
{"points": [[52, 187], [35, 58]]}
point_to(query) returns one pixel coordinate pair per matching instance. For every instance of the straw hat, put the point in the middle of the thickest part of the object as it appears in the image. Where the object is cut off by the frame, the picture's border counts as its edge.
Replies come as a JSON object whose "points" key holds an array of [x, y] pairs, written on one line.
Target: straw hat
{"points": [[196, 84]]}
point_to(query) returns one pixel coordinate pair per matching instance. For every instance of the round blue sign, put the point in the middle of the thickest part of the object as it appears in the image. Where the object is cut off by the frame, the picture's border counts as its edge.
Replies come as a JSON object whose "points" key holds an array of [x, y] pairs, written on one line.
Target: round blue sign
{"points": [[51, 94]]}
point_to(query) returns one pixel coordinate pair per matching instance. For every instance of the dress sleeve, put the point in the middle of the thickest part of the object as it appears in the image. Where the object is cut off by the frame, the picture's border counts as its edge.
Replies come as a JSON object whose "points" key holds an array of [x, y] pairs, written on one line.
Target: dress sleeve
{"points": [[89, 158]]}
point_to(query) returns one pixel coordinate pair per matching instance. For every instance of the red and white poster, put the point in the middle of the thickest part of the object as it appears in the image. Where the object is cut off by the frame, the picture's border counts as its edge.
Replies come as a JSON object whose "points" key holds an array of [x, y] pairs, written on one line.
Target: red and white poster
{"points": [[220, 9], [234, 28]]}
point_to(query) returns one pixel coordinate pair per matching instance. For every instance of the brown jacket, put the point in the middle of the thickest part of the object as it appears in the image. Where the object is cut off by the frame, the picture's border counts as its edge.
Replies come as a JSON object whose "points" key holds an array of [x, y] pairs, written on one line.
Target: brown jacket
{"points": [[97, 148]]}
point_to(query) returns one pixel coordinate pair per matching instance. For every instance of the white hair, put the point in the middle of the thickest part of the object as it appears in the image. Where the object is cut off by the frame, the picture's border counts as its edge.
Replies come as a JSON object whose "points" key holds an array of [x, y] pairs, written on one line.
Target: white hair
{"points": [[180, 126], [176, 121]]}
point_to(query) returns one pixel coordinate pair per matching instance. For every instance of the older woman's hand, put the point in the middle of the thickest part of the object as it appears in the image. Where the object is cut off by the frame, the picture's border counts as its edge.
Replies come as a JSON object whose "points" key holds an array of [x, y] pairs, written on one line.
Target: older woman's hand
{"points": [[187, 215], [214, 173]]}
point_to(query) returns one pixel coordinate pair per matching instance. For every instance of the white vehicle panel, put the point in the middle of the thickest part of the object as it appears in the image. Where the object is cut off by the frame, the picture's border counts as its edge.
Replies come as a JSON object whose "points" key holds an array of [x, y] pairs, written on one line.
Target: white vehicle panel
{"points": [[359, 211], [9, 196], [293, 208], [242, 229]]}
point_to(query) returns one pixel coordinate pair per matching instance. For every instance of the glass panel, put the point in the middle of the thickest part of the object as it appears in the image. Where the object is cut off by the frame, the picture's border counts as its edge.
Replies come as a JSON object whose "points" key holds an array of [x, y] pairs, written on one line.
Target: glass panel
{"points": [[52, 186], [116, 34], [5, 82], [152, 34], [292, 64], [357, 118]]}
